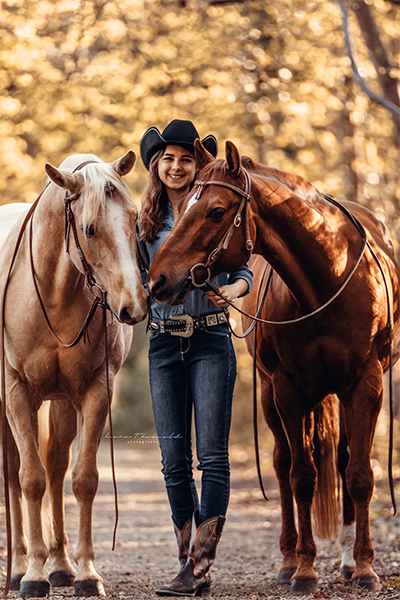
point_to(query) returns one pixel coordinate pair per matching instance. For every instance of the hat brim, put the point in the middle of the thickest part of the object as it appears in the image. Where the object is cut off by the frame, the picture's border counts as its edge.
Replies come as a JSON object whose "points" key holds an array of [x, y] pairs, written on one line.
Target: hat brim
{"points": [[152, 141]]}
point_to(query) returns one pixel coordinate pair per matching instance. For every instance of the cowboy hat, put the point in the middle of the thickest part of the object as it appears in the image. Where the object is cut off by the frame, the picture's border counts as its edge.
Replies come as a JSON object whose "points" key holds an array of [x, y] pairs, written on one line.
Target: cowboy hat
{"points": [[176, 133]]}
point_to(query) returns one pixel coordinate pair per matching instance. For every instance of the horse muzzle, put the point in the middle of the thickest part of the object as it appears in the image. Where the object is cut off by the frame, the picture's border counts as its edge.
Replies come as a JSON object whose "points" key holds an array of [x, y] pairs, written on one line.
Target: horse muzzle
{"points": [[164, 292]]}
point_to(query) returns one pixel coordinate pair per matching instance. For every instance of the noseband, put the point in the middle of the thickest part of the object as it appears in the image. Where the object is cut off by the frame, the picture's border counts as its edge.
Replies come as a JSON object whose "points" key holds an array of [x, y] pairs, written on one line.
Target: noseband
{"points": [[224, 243]]}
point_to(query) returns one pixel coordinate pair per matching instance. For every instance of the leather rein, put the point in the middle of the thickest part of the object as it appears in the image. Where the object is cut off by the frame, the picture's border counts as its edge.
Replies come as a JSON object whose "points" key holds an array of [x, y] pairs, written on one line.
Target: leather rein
{"points": [[245, 195], [83, 332]]}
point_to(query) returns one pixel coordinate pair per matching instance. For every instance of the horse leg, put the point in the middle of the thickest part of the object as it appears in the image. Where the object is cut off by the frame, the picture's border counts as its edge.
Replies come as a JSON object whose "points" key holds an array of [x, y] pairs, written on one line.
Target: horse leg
{"points": [[362, 407], [19, 562], [62, 431], [303, 477], [32, 475], [282, 462], [91, 420], [347, 534]]}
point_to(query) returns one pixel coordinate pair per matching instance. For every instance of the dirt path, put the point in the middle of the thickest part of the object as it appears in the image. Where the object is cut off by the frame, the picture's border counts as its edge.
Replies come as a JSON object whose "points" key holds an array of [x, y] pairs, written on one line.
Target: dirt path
{"points": [[248, 555]]}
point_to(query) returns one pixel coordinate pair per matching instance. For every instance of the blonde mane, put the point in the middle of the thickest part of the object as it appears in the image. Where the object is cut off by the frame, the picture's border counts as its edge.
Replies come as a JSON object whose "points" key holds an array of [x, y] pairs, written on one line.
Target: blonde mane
{"points": [[96, 175]]}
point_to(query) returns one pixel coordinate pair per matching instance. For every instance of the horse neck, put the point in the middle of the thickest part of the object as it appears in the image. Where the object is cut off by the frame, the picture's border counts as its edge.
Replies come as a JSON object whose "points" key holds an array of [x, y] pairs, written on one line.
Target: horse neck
{"points": [[304, 240], [56, 273]]}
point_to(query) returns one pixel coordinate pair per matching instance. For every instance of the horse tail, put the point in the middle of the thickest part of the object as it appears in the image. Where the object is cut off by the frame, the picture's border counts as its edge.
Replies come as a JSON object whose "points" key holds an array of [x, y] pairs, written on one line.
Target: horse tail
{"points": [[326, 504]]}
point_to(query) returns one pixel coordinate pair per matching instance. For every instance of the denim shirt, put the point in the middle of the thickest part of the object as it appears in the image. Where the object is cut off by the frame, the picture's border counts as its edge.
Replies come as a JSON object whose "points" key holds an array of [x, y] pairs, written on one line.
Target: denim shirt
{"points": [[197, 303]]}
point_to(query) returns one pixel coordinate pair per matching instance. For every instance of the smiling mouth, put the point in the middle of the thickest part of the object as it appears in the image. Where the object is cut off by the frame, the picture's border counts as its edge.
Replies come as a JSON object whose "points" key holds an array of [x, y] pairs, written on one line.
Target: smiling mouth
{"points": [[175, 176]]}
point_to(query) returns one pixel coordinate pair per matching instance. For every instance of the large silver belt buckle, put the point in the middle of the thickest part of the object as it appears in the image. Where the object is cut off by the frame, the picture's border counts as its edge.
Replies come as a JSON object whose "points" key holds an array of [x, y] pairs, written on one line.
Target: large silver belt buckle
{"points": [[189, 325]]}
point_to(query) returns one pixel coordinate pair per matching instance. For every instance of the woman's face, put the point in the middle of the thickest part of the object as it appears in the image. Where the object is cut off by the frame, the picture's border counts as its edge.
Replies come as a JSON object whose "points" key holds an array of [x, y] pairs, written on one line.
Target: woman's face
{"points": [[177, 169]]}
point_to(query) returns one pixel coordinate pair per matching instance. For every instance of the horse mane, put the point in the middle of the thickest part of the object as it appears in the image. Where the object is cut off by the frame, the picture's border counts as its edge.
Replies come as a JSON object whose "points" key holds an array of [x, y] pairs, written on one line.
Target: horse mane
{"points": [[96, 176], [293, 183]]}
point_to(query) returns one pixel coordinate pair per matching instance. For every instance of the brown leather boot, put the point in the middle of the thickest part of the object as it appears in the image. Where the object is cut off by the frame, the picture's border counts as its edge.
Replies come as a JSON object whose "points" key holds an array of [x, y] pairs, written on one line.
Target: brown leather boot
{"points": [[183, 537], [194, 579]]}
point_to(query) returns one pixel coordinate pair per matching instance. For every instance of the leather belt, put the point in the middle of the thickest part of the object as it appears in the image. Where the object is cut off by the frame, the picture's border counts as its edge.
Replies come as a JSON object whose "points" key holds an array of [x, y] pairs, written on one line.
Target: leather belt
{"points": [[184, 325]]}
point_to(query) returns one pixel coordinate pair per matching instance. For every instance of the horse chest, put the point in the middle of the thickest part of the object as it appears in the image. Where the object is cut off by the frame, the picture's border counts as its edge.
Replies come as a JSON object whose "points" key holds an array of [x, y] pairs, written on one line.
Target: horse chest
{"points": [[58, 371]]}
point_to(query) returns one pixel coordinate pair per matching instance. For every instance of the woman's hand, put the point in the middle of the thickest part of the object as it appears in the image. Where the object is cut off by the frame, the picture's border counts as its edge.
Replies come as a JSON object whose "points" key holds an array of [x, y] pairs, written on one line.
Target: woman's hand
{"points": [[229, 292]]}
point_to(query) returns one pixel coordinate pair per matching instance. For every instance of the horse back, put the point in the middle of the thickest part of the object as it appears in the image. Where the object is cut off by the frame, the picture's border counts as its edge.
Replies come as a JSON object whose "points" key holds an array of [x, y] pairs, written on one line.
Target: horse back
{"points": [[375, 226], [10, 214]]}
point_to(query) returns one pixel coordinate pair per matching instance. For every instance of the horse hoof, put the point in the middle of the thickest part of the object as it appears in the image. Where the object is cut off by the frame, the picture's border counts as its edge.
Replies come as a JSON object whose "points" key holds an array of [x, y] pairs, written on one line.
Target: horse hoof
{"points": [[89, 587], [34, 589], [301, 587], [368, 583], [285, 575], [62, 578], [347, 572], [15, 582]]}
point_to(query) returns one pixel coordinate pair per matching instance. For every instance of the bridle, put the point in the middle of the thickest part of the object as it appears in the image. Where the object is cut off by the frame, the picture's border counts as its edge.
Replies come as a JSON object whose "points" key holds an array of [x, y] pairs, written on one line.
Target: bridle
{"points": [[245, 195], [101, 301], [70, 224], [224, 243]]}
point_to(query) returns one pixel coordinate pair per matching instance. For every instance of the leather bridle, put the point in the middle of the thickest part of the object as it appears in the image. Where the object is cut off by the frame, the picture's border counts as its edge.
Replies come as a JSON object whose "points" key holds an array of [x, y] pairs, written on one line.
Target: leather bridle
{"points": [[224, 243], [101, 300]]}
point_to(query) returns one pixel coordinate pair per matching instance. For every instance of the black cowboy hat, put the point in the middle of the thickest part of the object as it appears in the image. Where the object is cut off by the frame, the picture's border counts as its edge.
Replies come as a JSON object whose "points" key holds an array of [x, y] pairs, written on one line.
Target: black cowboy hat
{"points": [[176, 133]]}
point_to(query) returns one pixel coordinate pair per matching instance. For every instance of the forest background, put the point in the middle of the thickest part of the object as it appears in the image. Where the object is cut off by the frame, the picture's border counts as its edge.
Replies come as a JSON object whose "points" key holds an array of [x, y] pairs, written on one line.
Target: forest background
{"points": [[276, 78]]}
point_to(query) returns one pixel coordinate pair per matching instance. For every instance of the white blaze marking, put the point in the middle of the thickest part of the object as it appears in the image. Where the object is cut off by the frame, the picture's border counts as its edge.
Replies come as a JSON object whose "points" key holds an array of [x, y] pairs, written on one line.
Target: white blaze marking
{"points": [[191, 203], [125, 263]]}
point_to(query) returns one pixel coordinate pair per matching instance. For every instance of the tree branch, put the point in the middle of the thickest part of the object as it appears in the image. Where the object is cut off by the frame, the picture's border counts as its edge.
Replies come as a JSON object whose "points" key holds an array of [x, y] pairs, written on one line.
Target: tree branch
{"points": [[373, 34], [377, 50]]}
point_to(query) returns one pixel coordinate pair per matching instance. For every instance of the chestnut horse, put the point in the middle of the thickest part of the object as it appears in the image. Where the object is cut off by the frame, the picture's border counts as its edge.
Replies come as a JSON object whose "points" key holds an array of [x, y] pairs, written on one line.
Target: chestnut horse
{"points": [[318, 253], [39, 364]]}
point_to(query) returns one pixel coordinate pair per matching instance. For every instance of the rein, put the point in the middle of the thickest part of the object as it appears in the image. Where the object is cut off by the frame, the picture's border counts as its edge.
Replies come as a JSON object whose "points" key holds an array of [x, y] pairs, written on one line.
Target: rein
{"points": [[98, 301], [223, 245]]}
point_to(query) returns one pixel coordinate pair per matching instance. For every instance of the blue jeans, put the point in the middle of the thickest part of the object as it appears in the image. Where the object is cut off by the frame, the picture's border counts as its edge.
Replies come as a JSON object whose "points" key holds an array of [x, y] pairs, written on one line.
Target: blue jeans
{"points": [[194, 374]]}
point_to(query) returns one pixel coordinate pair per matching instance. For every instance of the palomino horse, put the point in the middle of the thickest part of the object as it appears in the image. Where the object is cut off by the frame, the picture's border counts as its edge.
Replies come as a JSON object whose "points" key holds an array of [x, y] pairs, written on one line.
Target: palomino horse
{"points": [[316, 251], [38, 366]]}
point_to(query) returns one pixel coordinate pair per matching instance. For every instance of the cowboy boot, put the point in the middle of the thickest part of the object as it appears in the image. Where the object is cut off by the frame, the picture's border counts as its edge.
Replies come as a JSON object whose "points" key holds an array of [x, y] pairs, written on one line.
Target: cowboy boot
{"points": [[183, 537], [194, 579]]}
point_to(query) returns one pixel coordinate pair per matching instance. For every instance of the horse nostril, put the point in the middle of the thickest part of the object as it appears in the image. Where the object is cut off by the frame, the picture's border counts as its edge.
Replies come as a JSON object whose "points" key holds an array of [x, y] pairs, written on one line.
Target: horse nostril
{"points": [[160, 283], [125, 317]]}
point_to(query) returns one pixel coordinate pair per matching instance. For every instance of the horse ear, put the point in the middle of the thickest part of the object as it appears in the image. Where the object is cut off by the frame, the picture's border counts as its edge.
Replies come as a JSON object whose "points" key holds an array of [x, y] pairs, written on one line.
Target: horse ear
{"points": [[232, 158], [73, 182], [201, 155], [125, 164]]}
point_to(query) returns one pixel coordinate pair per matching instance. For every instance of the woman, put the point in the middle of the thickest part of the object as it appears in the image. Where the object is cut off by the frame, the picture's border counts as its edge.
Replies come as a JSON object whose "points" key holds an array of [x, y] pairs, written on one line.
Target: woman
{"points": [[192, 366]]}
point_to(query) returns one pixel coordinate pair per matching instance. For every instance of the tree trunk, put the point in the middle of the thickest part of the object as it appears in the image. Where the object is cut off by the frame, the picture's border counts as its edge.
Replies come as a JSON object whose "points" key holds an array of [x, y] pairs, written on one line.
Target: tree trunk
{"points": [[378, 54]]}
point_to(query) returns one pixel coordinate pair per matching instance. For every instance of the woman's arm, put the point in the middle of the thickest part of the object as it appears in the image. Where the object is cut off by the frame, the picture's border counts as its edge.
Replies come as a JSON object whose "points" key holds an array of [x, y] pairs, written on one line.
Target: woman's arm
{"points": [[230, 292]]}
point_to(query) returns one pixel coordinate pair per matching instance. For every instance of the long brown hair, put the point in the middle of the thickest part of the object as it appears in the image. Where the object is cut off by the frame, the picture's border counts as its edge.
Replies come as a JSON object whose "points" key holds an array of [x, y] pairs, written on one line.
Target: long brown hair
{"points": [[155, 202]]}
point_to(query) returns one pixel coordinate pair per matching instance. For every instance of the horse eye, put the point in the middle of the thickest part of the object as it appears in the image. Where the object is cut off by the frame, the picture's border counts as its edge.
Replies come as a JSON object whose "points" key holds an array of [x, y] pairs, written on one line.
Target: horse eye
{"points": [[217, 214], [109, 188], [89, 231]]}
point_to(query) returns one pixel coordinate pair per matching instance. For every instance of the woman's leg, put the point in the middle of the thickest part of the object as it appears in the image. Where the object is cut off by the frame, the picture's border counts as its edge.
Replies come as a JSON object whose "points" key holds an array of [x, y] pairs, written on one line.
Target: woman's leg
{"points": [[212, 369], [210, 361], [172, 407]]}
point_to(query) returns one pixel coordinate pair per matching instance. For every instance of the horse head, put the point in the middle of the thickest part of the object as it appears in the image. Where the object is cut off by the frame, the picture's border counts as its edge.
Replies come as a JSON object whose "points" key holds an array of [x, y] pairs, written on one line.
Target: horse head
{"points": [[209, 238], [104, 219]]}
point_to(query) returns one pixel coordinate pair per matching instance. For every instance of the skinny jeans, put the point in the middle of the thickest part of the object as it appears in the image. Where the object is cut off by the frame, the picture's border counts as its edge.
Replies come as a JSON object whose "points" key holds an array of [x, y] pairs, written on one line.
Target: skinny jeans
{"points": [[194, 375]]}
